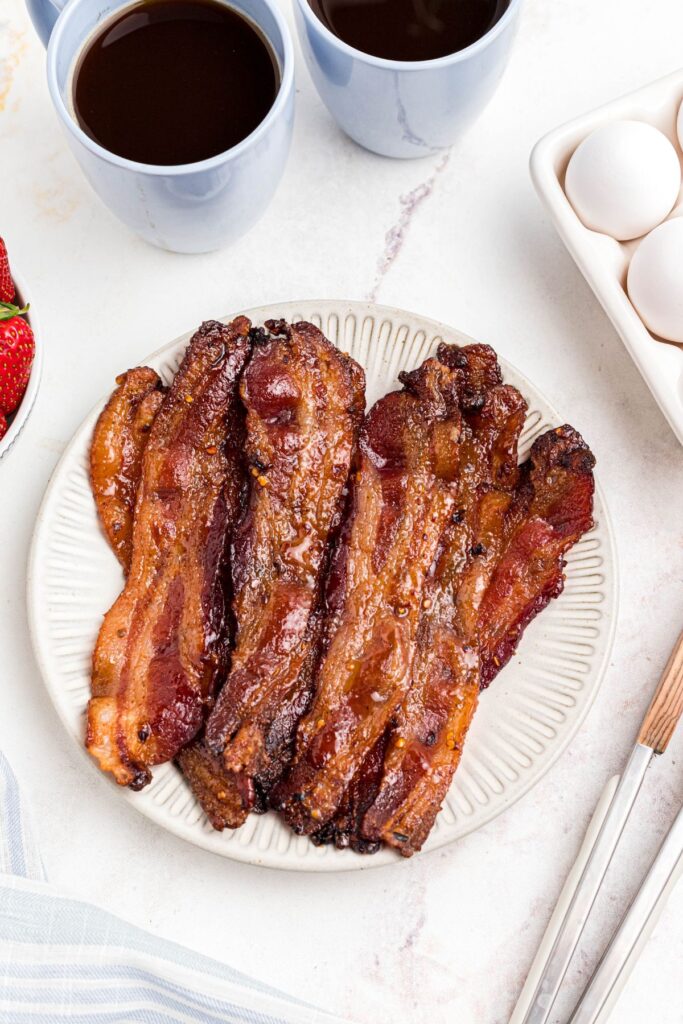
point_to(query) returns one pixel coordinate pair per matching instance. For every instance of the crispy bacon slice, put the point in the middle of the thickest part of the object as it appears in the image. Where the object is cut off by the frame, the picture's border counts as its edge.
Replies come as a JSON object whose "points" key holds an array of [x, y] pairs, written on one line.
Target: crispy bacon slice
{"points": [[223, 799], [424, 747], [445, 671], [162, 646], [396, 794], [402, 496], [116, 451], [118, 442], [305, 401], [531, 531], [554, 509]]}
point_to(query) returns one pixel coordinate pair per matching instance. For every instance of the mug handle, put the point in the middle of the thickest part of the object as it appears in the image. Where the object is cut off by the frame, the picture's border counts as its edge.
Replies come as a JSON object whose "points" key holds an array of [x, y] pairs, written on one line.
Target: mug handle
{"points": [[44, 14]]}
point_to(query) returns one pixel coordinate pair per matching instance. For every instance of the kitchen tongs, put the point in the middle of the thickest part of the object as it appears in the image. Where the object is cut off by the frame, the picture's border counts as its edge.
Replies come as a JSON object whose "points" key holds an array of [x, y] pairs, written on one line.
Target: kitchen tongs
{"points": [[655, 732]]}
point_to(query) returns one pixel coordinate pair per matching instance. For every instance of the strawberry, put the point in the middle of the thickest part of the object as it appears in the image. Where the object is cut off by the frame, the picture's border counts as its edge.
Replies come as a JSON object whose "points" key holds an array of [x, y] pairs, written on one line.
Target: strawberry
{"points": [[6, 282], [3, 426], [17, 349]]}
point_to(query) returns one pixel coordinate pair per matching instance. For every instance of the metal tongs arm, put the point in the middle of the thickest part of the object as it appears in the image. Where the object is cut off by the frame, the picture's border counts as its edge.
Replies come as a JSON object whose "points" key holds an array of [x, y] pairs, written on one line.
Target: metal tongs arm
{"points": [[655, 732]]}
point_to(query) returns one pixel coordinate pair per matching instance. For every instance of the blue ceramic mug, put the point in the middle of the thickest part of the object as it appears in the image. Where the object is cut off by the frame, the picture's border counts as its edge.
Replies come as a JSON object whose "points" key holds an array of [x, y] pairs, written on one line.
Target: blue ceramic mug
{"points": [[404, 108], [191, 207]]}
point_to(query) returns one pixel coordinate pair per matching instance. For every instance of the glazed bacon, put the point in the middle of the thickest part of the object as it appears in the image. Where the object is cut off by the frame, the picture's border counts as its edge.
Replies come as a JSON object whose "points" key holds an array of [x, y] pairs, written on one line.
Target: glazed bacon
{"points": [[305, 401], [445, 672], [223, 799], [401, 499], [553, 511], [390, 624], [425, 744], [162, 646], [549, 512], [117, 447], [118, 442], [499, 563]]}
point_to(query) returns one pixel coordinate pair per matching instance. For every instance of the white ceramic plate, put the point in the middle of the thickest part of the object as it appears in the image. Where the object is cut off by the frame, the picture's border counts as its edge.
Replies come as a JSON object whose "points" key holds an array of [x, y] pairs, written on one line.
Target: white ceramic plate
{"points": [[525, 719], [604, 261]]}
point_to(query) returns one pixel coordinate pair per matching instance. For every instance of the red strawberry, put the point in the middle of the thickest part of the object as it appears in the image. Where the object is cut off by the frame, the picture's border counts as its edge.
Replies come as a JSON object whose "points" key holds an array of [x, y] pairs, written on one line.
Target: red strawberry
{"points": [[6, 282], [17, 349], [3, 426]]}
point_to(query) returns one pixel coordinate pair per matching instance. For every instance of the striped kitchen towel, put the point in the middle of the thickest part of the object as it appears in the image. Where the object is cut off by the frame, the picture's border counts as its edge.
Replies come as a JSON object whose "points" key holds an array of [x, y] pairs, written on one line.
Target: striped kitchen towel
{"points": [[65, 960]]}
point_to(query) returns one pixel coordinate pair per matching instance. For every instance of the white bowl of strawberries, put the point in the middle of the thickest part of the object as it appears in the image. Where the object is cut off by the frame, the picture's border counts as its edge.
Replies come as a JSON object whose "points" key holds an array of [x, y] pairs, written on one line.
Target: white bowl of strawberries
{"points": [[20, 360]]}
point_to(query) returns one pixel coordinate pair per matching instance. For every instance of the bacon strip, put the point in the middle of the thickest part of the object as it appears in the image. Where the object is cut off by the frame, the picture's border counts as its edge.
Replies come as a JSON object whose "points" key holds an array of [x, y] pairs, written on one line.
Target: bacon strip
{"points": [[488, 582], [403, 495], [445, 671], [116, 452], [118, 441], [531, 530], [425, 744], [304, 401], [554, 510], [223, 799], [162, 646]]}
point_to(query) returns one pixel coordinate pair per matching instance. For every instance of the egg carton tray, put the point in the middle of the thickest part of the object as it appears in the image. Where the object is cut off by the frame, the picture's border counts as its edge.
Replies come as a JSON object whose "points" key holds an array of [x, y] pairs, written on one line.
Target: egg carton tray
{"points": [[603, 260]]}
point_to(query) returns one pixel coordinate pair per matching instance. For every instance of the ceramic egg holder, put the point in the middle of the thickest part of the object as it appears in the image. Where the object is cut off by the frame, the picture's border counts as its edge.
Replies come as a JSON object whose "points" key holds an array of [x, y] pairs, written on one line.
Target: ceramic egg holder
{"points": [[602, 259]]}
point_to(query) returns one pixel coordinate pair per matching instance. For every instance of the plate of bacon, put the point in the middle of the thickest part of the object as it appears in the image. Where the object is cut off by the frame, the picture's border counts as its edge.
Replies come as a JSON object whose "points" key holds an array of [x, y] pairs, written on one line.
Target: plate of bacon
{"points": [[274, 576]]}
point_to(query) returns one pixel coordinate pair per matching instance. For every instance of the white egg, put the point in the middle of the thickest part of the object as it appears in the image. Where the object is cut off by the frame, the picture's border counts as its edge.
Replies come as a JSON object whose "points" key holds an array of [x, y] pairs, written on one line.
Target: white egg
{"points": [[623, 179], [679, 126], [655, 280]]}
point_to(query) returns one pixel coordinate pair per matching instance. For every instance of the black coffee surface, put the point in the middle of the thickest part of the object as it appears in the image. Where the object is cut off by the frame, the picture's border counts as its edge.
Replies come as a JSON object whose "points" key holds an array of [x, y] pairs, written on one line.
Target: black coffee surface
{"points": [[174, 81], [409, 29]]}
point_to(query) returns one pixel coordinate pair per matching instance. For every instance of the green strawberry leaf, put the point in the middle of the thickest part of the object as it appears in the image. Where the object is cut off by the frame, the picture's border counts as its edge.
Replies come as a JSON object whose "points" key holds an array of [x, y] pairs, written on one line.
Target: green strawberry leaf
{"points": [[9, 310]]}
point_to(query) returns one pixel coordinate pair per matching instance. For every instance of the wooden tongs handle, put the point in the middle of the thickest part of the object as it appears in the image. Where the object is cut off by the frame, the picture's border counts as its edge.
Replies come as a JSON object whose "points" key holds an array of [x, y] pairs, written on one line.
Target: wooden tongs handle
{"points": [[667, 704]]}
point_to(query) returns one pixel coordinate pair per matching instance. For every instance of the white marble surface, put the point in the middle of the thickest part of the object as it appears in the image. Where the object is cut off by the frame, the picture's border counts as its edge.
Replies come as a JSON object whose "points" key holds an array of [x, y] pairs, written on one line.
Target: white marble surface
{"points": [[446, 937]]}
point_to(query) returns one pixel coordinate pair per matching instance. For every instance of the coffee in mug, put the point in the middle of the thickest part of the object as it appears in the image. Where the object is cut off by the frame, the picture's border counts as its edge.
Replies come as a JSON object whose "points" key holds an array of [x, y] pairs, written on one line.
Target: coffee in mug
{"points": [[171, 82], [409, 30]]}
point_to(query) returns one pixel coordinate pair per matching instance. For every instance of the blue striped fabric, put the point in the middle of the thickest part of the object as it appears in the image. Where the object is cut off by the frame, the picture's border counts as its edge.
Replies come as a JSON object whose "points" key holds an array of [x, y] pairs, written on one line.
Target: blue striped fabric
{"points": [[65, 960]]}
